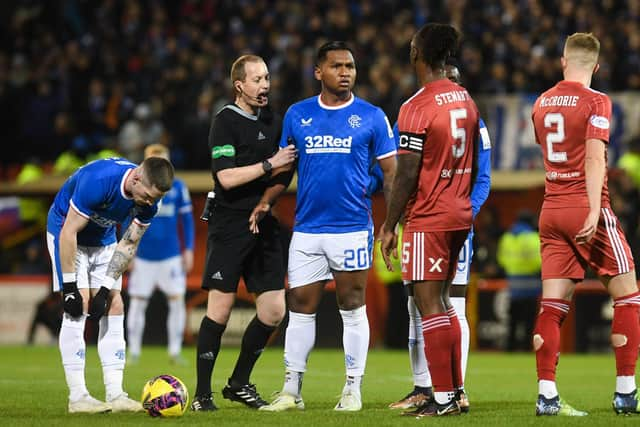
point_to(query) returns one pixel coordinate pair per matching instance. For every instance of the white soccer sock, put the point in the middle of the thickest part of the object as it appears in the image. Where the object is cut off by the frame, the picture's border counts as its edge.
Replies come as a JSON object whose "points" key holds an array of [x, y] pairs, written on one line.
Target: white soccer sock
{"points": [[355, 340], [547, 389], [73, 350], [111, 349], [175, 324], [293, 383], [460, 306], [135, 324], [625, 384], [352, 384], [417, 357], [299, 339]]}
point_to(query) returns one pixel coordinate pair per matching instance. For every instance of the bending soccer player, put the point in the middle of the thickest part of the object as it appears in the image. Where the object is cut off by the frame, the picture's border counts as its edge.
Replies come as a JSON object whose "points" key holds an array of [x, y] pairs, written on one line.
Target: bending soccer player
{"points": [[578, 227], [422, 385], [88, 264]]}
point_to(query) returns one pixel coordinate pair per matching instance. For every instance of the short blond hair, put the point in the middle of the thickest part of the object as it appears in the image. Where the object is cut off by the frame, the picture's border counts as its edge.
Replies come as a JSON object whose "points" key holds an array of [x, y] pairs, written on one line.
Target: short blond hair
{"points": [[238, 72], [582, 49], [156, 150]]}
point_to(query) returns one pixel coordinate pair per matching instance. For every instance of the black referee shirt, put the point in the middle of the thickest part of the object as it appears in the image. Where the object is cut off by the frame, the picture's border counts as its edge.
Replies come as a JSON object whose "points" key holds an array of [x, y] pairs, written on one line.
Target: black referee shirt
{"points": [[237, 138]]}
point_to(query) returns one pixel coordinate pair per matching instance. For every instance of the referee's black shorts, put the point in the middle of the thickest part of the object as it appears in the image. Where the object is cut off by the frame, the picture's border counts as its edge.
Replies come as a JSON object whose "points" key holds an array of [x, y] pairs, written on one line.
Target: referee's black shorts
{"points": [[233, 251]]}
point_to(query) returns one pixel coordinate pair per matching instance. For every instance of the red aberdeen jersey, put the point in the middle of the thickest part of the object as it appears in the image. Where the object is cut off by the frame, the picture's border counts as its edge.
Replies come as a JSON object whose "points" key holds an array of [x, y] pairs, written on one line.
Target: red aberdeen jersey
{"points": [[564, 118], [441, 122]]}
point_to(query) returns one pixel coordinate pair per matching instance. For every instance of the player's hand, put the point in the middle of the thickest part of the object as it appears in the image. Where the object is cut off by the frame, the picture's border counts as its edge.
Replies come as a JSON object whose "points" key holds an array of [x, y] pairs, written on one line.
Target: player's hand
{"points": [[71, 299], [98, 304], [388, 245], [284, 156], [187, 260], [589, 228], [261, 209]]}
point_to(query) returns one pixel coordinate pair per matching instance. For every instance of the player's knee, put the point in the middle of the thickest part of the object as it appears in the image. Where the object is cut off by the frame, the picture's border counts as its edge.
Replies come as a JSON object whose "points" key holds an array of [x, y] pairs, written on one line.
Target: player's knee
{"points": [[618, 340], [272, 314], [115, 304], [537, 342]]}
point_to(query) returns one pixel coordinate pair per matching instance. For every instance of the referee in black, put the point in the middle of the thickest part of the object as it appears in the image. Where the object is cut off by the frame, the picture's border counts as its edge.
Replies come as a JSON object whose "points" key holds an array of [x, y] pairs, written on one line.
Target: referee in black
{"points": [[250, 172]]}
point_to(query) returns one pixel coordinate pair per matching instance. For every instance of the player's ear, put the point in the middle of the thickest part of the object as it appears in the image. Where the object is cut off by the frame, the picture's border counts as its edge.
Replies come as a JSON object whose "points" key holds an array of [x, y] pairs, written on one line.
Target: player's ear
{"points": [[596, 68], [317, 73], [413, 54]]}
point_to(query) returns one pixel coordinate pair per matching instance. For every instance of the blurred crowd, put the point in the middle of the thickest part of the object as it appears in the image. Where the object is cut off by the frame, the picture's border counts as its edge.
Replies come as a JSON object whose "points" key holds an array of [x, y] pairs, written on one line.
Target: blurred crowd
{"points": [[92, 75], [87, 78]]}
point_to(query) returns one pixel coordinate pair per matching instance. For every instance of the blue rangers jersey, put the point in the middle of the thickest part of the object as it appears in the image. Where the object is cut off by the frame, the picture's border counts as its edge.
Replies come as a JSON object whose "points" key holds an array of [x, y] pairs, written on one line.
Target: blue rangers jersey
{"points": [[336, 146], [96, 191], [162, 238]]}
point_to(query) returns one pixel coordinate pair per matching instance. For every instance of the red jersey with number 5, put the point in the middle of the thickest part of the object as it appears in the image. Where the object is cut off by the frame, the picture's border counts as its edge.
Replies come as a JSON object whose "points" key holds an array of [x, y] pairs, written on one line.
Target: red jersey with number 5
{"points": [[564, 118], [440, 122]]}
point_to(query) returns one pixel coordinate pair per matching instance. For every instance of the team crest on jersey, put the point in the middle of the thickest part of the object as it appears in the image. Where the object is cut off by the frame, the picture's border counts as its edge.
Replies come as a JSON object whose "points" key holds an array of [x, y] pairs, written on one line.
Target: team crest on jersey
{"points": [[306, 122], [354, 121]]}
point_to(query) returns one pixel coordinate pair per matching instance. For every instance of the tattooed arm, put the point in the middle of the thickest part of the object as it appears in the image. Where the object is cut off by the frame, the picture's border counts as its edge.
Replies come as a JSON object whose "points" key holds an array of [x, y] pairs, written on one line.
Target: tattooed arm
{"points": [[125, 251], [404, 185]]}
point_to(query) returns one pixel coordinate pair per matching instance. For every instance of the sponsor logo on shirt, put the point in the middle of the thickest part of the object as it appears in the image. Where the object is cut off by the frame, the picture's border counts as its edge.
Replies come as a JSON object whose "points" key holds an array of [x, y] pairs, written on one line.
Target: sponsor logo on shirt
{"points": [[599, 122], [448, 173], [223, 151], [102, 221], [327, 144], [306, 122], [554, 175]]}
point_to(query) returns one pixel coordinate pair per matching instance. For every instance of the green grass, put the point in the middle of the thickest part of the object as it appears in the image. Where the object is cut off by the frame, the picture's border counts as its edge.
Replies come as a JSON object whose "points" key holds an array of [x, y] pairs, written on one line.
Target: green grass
{"points": [[502, 390]]}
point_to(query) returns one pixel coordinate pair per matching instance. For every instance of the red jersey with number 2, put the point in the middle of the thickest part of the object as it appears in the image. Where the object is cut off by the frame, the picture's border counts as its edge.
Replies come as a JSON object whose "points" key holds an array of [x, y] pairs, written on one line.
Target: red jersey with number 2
{"points": [[440, 122], [564, 118]]}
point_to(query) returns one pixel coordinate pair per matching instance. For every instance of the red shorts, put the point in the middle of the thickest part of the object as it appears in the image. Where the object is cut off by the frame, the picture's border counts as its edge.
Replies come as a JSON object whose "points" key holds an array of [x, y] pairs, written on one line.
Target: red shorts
{"points": [[608, 253], [431, 255]]}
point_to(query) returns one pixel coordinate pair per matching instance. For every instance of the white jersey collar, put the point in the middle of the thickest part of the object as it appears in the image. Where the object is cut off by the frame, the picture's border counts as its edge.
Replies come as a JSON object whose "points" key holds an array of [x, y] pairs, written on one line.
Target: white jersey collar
{"points": [[338, 107]]}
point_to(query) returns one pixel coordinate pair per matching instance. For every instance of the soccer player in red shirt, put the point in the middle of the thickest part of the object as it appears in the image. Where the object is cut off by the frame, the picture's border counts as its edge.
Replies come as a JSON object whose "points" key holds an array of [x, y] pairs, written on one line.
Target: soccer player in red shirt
{"points": [[438, 128], [578, 229]]}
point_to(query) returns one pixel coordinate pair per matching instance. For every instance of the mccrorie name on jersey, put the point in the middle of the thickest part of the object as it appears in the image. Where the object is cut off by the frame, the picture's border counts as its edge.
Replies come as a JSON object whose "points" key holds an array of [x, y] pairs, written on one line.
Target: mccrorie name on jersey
{"points": [[327, 144]]}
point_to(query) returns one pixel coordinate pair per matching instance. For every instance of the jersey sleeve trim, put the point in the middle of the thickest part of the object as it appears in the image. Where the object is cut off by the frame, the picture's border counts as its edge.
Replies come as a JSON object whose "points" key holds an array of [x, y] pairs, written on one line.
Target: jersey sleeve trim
{"points": [[141, 223], [77, 209], [389, 154]]}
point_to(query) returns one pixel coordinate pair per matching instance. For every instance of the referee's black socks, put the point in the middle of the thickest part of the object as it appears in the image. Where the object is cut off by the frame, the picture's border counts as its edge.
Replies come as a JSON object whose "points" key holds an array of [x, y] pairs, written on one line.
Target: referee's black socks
{"points": [[209, 338], [253, 342]]}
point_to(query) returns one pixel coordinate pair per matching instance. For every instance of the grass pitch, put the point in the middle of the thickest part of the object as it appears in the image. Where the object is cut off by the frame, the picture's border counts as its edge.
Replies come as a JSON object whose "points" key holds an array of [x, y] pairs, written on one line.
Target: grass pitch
{"points": [[502, 390]]}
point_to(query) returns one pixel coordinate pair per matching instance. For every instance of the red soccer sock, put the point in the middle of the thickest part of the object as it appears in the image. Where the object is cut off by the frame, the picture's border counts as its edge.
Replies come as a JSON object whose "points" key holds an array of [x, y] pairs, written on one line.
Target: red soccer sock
{"points": [[456, 352], [546, 336], [438, 344], [625, 333]]}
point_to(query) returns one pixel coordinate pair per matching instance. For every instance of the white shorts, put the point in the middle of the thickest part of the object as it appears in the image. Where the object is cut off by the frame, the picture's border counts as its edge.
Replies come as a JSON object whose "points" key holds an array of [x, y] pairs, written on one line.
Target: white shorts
{"points": [[91, 265], [312, 257], [463, 269], [167, 274]]}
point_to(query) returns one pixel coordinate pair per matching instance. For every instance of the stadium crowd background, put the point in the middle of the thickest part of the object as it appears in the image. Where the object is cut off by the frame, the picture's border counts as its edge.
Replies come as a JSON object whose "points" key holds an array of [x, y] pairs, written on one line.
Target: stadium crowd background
{"points": [[82, 76], [72, 72]]}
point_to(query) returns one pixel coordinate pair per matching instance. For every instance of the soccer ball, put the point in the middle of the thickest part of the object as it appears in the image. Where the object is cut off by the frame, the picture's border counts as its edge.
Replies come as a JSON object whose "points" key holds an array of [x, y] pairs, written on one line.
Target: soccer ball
{"points": [[165, 396]]}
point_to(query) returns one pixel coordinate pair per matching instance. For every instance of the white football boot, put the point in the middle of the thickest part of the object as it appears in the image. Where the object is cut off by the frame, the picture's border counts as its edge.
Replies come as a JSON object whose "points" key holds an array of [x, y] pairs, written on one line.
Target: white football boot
{"points": [[88, 405]]}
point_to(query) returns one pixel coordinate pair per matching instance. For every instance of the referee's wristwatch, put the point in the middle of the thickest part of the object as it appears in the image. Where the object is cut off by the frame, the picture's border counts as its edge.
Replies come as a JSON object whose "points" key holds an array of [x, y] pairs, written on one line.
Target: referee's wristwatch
{"points": [[267, 167]]}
